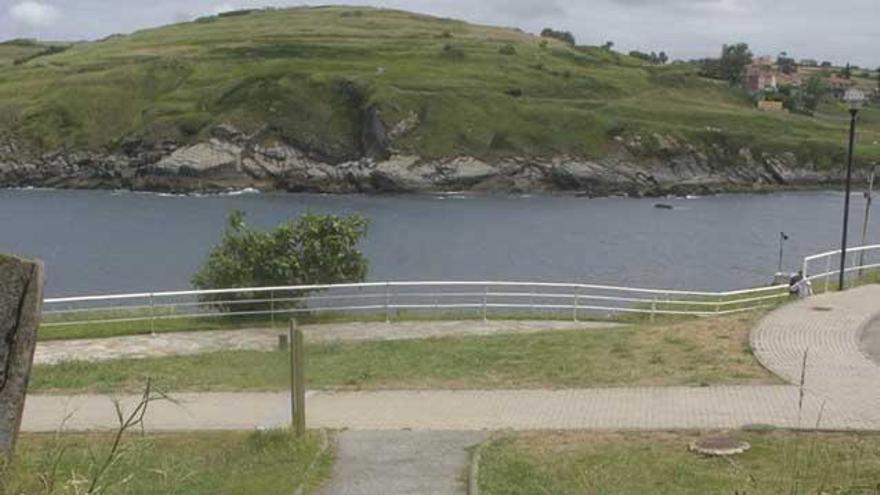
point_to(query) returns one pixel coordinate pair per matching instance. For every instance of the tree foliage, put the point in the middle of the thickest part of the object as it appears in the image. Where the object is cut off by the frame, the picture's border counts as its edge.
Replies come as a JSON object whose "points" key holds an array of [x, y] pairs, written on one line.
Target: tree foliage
{"points": [[565, 36], [787, 65], [652, 57], [733, 62], [316, 249]]}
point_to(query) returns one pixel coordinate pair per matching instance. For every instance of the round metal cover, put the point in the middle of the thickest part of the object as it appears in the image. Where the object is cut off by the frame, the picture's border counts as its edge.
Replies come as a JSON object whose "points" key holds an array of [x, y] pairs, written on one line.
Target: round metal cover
{"points": [[719, 445]]}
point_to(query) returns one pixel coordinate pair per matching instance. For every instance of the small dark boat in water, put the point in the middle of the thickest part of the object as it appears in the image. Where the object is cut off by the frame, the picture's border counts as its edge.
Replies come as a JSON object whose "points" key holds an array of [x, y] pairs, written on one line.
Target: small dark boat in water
{"points": [[663, 206]]}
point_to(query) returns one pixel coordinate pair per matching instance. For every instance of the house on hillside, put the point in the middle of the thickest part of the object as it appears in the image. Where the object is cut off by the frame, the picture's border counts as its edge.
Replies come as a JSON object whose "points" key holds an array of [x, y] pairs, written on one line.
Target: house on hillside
{"points": [[838, 86], [760, 77]]}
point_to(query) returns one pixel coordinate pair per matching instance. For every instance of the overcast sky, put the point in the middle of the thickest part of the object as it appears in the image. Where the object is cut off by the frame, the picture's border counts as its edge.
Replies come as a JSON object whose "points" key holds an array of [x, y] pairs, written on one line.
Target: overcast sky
{"points": [[841, 30]]}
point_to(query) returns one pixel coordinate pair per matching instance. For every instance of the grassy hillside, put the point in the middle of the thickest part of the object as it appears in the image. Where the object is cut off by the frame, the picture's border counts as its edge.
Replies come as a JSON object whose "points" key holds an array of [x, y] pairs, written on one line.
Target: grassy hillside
{"points": [[308, 76]]}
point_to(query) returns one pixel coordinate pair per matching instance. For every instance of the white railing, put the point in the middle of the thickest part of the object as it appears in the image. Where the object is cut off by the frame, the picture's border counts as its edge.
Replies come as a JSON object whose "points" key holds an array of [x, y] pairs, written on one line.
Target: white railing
{"points": [[483, 299], [824, 269], [195, 309]]}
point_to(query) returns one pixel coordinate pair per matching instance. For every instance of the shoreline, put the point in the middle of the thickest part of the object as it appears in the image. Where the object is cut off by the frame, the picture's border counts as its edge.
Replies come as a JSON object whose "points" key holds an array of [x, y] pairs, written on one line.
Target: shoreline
{"points": [[697, 192]]}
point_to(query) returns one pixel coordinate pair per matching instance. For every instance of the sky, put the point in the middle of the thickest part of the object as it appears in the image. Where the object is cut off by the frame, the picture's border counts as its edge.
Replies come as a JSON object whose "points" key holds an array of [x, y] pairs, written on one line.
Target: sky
{"points": [[840, 31]]}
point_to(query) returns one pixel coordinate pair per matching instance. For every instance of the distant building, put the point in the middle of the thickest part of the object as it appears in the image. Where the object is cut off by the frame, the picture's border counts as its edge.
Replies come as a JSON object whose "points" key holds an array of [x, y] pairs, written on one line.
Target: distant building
{"points": [[808, 62], [760, 77], [837, 85]]}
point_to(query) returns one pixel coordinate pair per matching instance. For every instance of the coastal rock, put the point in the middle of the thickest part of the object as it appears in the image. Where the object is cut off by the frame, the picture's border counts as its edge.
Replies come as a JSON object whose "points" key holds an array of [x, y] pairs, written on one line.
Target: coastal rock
{"points": [[638, 165]]}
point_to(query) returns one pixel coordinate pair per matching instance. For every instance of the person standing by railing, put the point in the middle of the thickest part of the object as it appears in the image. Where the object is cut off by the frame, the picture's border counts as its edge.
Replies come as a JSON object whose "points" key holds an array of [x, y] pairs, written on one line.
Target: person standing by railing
{"points": [[800, 285]]}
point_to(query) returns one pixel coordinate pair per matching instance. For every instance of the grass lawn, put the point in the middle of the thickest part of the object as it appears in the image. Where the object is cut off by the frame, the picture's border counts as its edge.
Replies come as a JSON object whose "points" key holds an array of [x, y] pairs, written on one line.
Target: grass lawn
{"points": [[695, 352], [269, 462], [642, 463], [308, 75]]}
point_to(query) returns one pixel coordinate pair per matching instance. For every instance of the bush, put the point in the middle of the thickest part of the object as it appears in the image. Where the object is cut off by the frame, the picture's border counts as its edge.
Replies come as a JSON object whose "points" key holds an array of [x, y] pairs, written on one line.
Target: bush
{"points": [[507, 49], [452, 52], [316, 249]]}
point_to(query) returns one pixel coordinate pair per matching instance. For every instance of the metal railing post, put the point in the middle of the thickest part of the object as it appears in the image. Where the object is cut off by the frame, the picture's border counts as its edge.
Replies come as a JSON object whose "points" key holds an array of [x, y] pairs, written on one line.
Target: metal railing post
{"points": [[827, 271], [653, 309], [152, 316], [532, 302], [272, 306], [485, 302], [387, 303], [577, 295]]}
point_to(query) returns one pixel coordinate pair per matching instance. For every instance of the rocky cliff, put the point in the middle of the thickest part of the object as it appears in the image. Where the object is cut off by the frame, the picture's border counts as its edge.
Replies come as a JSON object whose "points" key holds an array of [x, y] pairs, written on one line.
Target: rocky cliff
{"points": [[230, 159]]}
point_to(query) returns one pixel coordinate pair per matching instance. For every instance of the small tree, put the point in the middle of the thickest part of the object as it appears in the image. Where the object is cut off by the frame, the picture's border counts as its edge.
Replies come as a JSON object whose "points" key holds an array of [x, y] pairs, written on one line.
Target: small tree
{"points": [[787, 65], [564, 36], [316, 249], [734, 59]]}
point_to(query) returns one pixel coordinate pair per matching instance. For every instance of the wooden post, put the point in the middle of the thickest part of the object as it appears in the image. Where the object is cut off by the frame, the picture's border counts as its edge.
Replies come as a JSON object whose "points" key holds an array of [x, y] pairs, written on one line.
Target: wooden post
{"points": [[653, 308], [21, 301], [297, 382]]}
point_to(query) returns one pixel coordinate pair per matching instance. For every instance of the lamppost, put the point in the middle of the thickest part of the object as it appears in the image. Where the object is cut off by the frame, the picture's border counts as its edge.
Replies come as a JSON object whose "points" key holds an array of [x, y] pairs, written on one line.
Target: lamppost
{"points": [[854, 98], [782, 238]]}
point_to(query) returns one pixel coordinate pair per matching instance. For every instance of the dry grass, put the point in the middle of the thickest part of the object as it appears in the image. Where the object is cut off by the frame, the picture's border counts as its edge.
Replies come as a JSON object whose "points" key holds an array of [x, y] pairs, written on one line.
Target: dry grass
{"points": [[699, 352]]}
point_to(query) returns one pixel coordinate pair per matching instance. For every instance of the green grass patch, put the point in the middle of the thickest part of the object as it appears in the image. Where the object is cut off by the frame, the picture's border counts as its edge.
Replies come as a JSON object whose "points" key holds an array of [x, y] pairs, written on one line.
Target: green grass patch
{"points": [[265, 462], [639, 463], [696, 352]]}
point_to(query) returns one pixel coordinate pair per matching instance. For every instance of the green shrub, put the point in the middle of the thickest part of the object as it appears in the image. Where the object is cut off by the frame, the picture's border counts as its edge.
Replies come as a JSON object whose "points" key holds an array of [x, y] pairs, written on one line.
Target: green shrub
{"points": [[316, 249], [452, 52], [507, 49]]}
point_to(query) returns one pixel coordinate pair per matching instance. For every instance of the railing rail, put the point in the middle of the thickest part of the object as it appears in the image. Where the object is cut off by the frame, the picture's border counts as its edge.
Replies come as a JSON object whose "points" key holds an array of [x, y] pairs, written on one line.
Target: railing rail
{"points": [[862, 260], [386, 299]]}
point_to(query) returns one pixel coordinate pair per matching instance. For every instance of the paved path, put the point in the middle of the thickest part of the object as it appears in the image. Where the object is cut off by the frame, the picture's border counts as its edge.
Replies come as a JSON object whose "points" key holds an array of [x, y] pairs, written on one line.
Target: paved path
{"points": [[263, 339], [617, 408], [842, 392], [831, 329], [401, 462]]}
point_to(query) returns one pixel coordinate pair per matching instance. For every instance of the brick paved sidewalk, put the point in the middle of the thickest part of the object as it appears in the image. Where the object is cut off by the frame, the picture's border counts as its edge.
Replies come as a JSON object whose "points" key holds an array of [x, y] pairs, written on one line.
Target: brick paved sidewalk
{"points": [[829, 329]]}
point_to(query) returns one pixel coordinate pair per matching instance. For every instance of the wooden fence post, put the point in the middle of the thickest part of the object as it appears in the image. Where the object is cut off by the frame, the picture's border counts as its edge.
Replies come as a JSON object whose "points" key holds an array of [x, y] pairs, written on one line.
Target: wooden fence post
{"points": [[297, 381], [21, 302]]}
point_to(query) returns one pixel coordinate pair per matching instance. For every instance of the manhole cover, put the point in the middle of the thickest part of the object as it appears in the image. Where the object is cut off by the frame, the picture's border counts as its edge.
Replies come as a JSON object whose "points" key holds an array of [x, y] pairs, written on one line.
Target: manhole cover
{"points": [[821, 308], [719, 446]]}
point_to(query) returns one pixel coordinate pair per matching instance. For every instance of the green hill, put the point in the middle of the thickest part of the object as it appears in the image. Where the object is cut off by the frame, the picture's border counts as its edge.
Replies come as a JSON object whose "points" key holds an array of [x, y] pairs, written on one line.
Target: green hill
{"points": [[343, 83]]}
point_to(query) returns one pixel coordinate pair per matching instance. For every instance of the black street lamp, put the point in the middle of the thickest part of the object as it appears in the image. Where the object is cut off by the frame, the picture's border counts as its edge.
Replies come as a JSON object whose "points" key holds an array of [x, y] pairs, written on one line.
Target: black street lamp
{"points": [[854, 99]]}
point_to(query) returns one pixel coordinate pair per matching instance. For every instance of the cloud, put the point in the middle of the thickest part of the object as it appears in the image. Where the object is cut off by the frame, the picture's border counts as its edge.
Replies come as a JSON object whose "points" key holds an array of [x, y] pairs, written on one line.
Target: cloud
{"points": [[34, 14], [530, 9]]}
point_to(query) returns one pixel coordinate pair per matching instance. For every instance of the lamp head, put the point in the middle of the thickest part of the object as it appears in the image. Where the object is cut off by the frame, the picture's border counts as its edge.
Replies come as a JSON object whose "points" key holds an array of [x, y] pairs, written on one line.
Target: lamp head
{"points": [[854, 98]]}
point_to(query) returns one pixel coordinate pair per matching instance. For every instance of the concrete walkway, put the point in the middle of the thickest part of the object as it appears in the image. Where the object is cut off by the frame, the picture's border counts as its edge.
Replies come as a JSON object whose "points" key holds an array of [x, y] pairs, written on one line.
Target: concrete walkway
{"points": [[842, 392], [401, 462], [265, 339]]}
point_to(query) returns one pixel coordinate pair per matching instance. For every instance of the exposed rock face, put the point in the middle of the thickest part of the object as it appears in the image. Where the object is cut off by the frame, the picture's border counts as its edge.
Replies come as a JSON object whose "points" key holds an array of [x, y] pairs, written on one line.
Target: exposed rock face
{"points": [[640, 165], [21, 298]]}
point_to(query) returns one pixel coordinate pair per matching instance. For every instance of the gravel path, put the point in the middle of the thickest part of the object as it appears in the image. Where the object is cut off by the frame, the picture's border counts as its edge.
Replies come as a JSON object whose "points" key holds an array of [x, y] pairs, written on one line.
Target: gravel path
{"points": [[264, 339]]}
